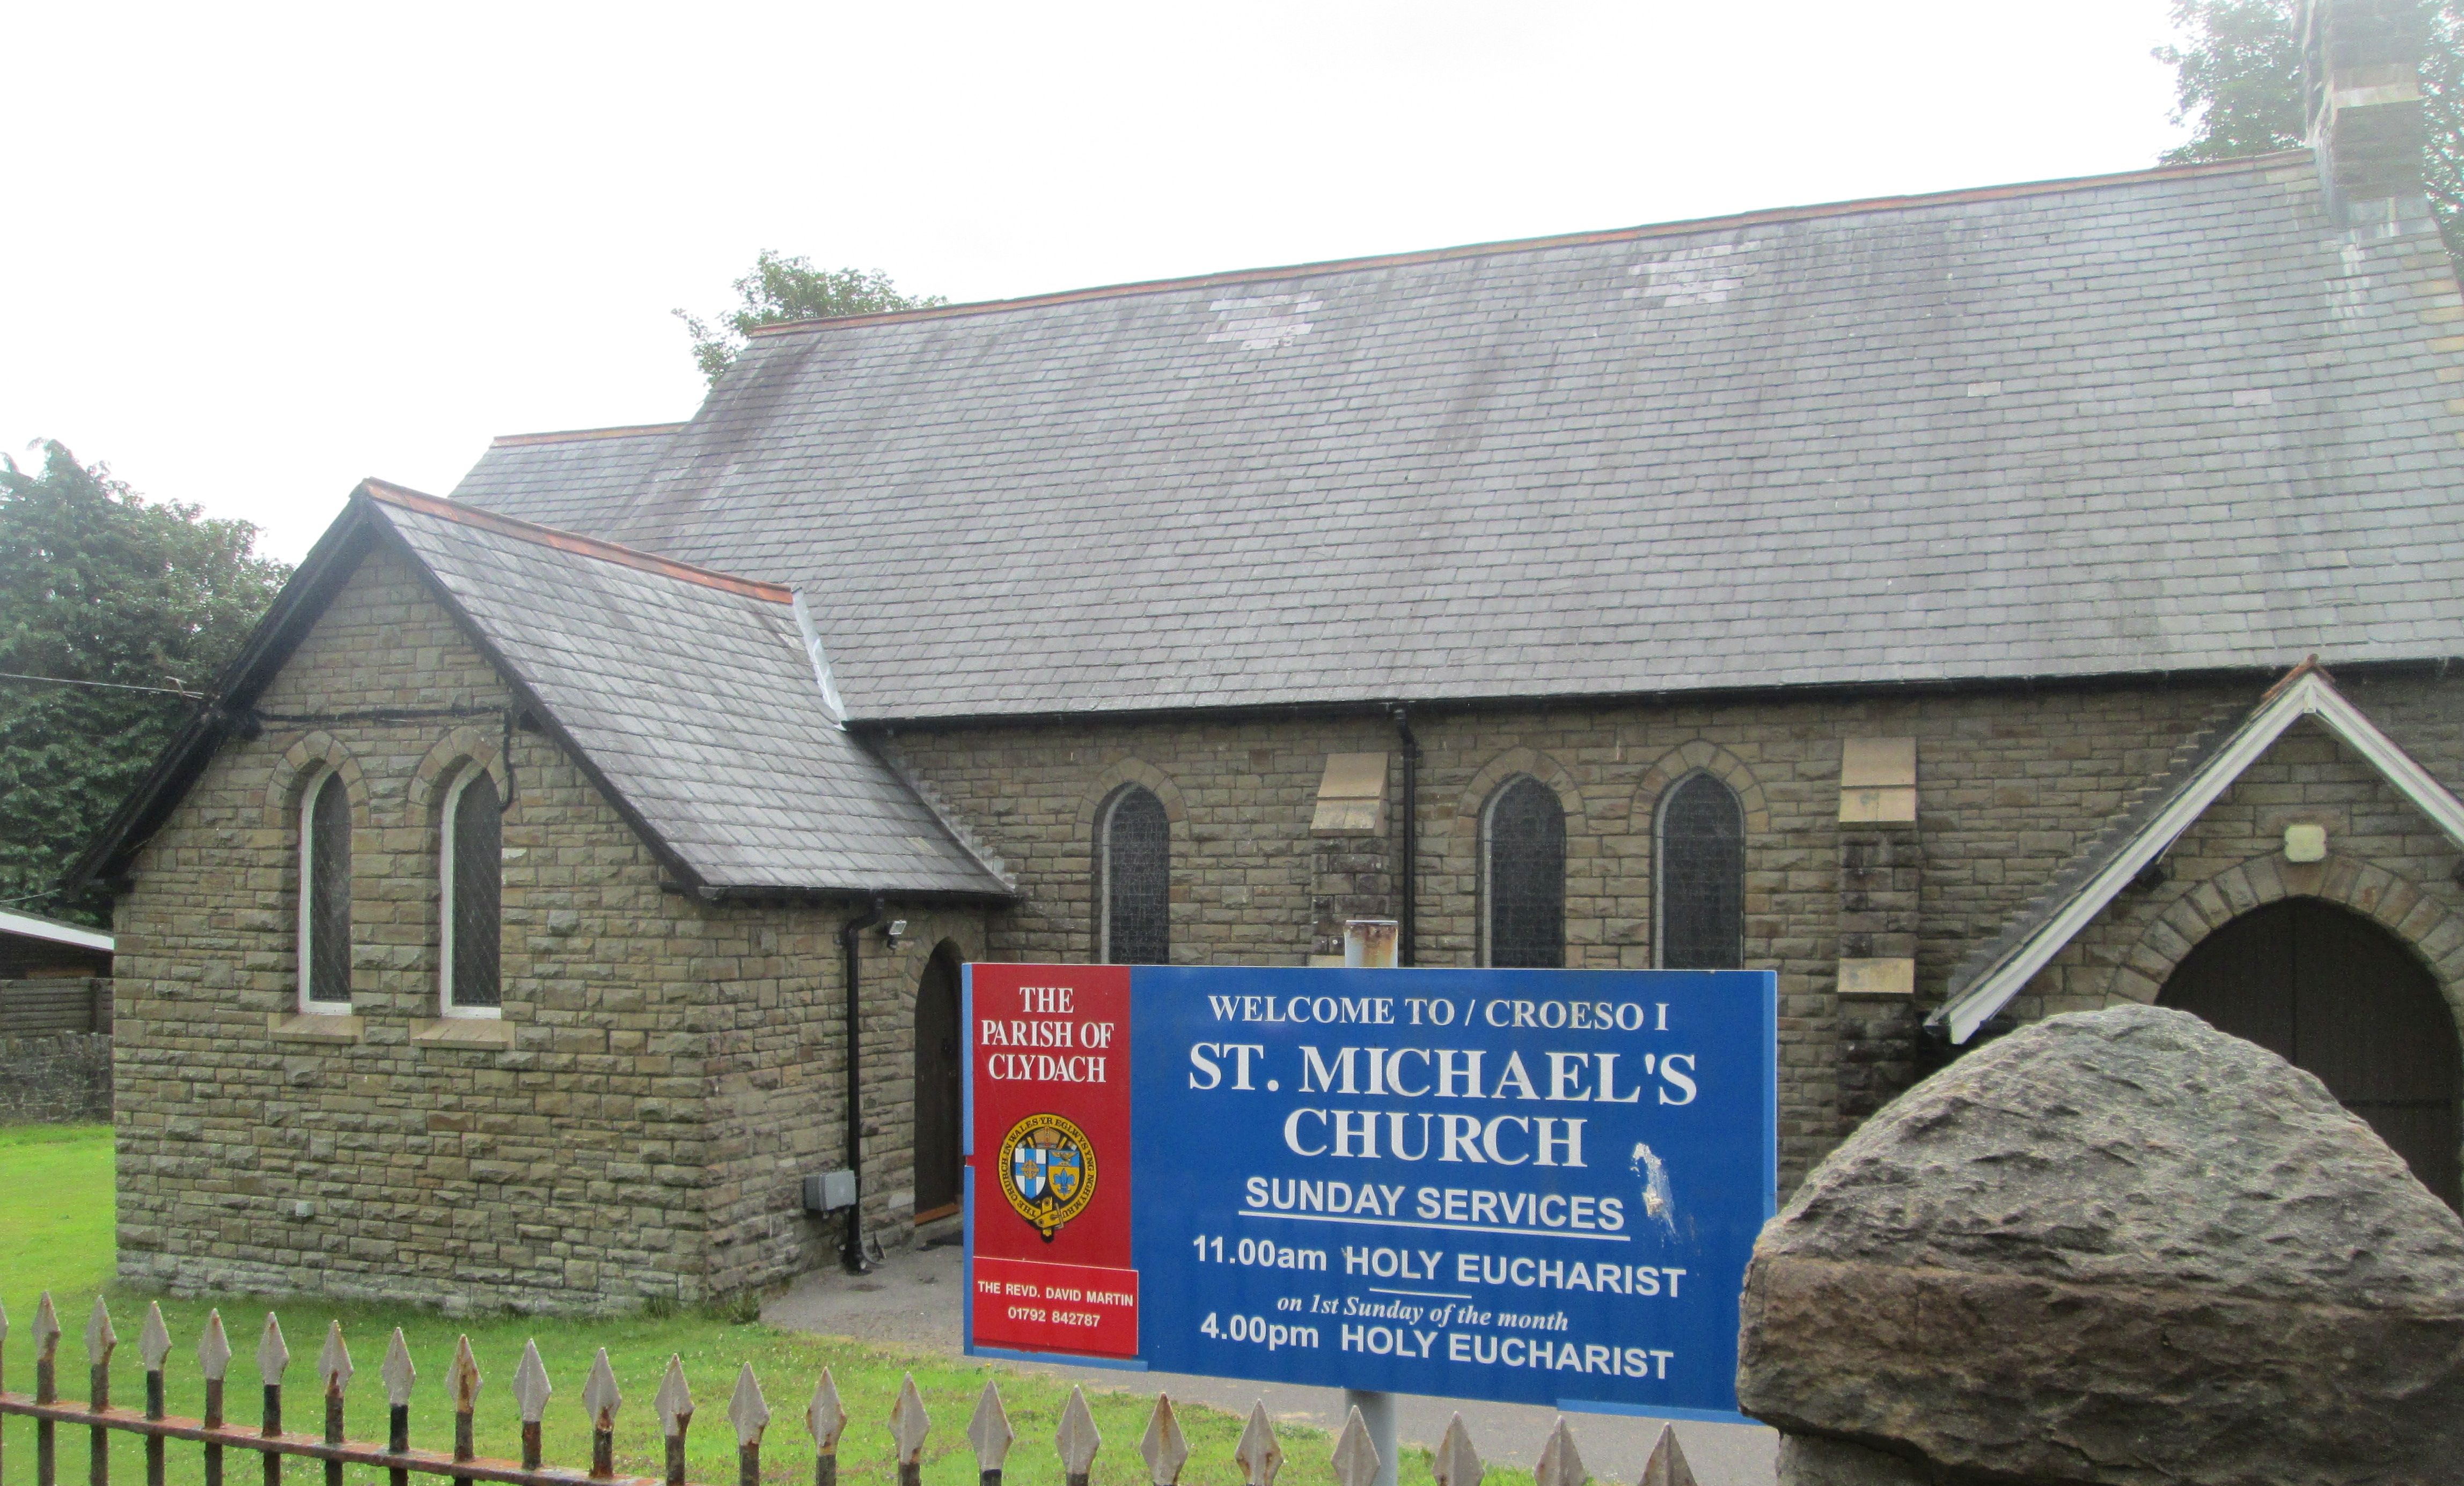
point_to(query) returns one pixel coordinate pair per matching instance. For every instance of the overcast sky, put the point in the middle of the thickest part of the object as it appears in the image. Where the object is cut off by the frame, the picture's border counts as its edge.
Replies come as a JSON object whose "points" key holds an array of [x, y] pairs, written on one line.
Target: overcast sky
{"points": [[256, 252]]}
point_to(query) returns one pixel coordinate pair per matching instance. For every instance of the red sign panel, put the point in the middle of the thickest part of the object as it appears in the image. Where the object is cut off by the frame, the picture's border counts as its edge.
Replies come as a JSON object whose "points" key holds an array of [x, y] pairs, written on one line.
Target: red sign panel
{"points": [[1051, 1158], [1069, 1307]]}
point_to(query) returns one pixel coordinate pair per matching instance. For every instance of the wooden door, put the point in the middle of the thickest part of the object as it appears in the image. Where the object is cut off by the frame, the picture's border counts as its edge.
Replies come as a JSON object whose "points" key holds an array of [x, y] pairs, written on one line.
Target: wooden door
{"points": [[940, 1096], [2334, 994]]}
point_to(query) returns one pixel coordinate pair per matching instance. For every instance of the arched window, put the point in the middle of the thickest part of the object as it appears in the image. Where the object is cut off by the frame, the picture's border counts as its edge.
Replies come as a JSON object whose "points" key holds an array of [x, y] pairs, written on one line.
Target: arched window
{"points": [[1701, 877], [325, 896], [1525, 835], [472, 896], [1134, 857]]}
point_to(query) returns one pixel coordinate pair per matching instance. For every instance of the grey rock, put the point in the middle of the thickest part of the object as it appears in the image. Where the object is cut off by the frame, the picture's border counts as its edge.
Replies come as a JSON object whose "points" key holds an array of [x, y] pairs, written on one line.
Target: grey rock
{"points": [[1811, 1460], [2118, 1247]]}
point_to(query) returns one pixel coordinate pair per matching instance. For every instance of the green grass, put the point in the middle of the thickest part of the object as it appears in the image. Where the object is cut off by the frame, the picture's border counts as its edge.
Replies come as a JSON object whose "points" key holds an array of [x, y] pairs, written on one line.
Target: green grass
{"points": [[55, 1235]]}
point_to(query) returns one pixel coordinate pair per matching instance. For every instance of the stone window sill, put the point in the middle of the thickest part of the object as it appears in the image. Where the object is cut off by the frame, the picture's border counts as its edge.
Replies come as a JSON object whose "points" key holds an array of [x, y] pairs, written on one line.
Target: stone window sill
{"points": [[463, 1032], [313, 1027]]}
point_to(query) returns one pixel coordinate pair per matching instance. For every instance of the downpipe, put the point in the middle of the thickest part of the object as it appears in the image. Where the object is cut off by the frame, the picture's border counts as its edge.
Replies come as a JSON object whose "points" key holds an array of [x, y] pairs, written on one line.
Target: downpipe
{"points": [[1407, 915], [851, 1247]]}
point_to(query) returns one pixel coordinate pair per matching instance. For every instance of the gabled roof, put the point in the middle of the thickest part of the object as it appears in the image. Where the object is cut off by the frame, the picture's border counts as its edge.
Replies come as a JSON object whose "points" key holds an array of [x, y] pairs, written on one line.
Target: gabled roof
{"points": [[693, 699], [52, 931], [2004, 967], [2176, 420]]}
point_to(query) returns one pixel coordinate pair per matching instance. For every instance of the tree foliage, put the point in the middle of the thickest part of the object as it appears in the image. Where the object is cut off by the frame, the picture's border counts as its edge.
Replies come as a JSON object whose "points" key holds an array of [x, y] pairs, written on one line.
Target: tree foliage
{"points": [[98, 584], [2237, 82], [781, 290]]}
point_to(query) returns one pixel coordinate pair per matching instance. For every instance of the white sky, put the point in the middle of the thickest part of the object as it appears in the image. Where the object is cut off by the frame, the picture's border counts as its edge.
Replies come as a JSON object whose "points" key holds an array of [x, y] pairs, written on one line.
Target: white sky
{"points": [[257, 251]]}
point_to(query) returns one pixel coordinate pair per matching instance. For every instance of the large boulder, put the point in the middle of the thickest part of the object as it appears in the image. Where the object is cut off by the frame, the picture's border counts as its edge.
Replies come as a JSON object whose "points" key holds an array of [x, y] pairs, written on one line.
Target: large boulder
{"points": [[2117, 1246]]}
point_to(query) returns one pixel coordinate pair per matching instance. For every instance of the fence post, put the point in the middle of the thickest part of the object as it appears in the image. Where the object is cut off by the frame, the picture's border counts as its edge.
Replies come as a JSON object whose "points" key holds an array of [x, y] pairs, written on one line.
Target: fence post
{"points": [[1667, 1465], [1259, 1455], [272, 1356], [1356, 1457], [989, 1435], [399, 1375], [99, 1341], [334, 1369], [462, 1380], [1457, 1463], [675, 1403], [213, 1361], [909, 1424], [598, 1400], [1561, 1464], [47, 1389], [1077, 1439], [825, 1419], [1165, 1449], [531, 1389], [153, 1349], [750, 1412]]}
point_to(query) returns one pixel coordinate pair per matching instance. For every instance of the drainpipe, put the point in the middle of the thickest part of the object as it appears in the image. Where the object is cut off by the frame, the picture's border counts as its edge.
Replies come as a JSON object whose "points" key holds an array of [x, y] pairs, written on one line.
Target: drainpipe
{"points": [[851, 1247], [1408, 895]]}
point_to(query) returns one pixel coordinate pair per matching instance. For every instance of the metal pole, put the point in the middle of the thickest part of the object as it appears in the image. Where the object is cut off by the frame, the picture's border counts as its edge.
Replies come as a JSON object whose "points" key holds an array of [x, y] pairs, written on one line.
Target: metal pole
{"points": [[1369, 944]]}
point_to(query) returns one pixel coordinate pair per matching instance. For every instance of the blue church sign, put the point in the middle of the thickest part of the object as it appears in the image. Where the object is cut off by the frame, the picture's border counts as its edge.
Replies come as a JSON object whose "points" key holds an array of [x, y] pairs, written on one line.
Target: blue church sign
{"points": [[1525, 1185]]}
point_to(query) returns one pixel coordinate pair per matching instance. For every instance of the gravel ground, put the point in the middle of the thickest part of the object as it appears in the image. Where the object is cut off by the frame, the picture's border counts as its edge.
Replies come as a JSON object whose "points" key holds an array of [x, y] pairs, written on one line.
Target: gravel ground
{"points": [[913, 1302]]}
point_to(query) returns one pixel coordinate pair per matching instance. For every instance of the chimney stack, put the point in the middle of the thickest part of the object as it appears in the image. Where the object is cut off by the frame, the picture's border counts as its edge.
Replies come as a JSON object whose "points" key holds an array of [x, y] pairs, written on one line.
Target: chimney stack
{"points": [[2360, 75]]}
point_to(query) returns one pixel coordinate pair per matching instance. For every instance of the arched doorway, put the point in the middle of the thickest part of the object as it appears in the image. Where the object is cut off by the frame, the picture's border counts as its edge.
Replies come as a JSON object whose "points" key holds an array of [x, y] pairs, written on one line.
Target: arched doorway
{"points": [[2334, 994], [940, 1095]]}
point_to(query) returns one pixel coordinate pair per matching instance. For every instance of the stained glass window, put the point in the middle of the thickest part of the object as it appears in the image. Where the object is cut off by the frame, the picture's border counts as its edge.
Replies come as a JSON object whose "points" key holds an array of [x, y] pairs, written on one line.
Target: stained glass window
{"points": [[475, 894], [1137, 851], [325, 894], [1526, 877], [1701, 877]]}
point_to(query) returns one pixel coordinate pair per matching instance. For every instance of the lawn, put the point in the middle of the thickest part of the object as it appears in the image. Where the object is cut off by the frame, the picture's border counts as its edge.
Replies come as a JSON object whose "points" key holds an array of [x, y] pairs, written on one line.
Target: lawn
{"points": [[55, 1235]]}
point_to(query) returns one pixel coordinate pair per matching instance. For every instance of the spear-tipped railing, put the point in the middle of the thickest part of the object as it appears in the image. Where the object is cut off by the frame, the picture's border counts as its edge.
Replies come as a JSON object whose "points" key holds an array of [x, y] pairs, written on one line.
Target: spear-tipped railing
{"points": [[1259, 1455]]}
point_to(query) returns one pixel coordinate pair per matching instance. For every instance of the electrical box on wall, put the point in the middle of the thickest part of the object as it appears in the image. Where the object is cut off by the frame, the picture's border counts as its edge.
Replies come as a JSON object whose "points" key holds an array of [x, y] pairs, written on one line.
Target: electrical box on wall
{"points": [[829, 1191]]}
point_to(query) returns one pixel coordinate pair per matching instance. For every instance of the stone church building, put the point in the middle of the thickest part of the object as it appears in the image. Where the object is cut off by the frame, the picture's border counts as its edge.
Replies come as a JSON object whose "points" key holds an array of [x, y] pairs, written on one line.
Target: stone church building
{"points": [[1916, 597]]}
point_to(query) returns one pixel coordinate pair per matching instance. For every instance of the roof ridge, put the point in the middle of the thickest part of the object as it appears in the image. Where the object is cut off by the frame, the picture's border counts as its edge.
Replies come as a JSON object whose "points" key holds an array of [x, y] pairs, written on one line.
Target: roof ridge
{"points": [[575, 542], [579, 435], [1679, 227]]}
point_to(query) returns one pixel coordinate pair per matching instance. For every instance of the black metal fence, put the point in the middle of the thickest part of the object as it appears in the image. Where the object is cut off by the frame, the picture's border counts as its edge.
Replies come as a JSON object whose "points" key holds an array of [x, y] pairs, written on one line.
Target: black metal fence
{"points": [[1258, 1453]]}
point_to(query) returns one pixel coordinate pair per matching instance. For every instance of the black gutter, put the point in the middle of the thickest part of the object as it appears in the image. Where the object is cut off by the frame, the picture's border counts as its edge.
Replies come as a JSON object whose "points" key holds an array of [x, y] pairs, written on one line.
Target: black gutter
{"points": [[1591, 701], [749, 895], [851, 1246], [1408, 893]]}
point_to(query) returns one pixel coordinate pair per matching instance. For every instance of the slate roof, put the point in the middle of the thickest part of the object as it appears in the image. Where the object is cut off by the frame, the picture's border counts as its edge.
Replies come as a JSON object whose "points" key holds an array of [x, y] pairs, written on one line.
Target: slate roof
{"points": [[2173, 420], [555, 479], [693, 697]]}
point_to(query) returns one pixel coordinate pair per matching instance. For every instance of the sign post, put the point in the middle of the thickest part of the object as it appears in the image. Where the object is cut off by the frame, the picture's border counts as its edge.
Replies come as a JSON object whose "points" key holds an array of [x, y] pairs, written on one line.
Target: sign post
{"points": [[1525, 1185]]}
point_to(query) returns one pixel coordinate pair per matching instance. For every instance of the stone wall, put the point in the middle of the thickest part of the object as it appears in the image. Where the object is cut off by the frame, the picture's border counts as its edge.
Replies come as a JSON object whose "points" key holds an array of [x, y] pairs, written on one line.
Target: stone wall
{"points": [[2011, 785], [666, 1073], [56, 1078]]}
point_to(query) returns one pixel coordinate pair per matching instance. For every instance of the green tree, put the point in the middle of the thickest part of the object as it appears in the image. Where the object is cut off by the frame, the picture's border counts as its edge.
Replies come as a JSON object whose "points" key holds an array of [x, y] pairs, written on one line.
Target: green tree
{"points": [[781, 290], [2237, 82], [99, 585]]}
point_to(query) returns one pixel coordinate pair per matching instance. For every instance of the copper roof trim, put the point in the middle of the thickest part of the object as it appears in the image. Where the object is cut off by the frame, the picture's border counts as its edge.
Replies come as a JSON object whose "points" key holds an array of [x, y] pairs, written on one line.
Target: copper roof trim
{"points": [[579, 435], [571, 542], [1677, 229]]}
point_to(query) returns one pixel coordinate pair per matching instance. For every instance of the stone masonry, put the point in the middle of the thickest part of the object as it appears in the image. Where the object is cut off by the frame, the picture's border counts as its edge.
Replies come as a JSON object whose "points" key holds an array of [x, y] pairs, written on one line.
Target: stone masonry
{"points": [[2012, 784], [671, 1069]]}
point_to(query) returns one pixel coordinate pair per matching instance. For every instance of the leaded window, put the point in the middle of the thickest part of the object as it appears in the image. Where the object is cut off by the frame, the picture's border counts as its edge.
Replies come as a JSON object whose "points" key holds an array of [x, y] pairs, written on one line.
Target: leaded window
{"points": [[473, 894], [1136, 861], [1701, 877], [325, 896], [1526, 877]]}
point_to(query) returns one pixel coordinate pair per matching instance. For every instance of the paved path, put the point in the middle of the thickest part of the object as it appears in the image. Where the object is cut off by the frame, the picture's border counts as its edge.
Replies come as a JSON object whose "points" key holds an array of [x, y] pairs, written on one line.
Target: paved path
{"points": [[913, 1302]]}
